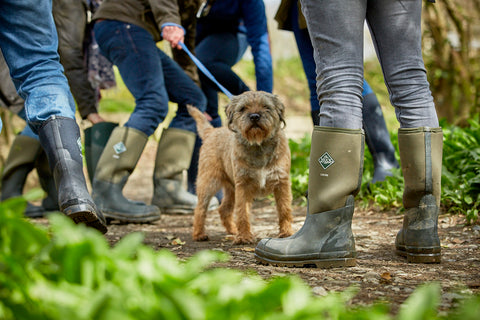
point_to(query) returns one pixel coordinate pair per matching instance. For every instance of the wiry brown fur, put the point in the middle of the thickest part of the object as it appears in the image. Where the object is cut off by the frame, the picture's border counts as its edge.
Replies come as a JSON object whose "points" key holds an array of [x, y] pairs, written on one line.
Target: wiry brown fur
{"points": [[248, 158]]}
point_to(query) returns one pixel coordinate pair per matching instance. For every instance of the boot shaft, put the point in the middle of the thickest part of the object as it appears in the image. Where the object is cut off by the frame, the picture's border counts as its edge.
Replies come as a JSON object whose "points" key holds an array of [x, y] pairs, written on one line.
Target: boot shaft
{"points": [[336, 167], [96, 137], [23, 152], [421, 162], [121, 155], [174, 153]]}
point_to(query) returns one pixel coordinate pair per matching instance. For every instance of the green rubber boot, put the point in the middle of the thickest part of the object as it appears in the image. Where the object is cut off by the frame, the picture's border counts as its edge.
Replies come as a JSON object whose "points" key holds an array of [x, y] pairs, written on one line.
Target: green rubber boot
{"points": [[174, 154], [96, 138], [20, 162], [421, 162], [117, 162], [326, 238]]}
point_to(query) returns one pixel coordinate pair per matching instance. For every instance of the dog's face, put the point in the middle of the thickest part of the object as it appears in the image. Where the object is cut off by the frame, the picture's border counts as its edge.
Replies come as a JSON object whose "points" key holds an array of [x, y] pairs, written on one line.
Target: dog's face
{"points": [[256, 115]]}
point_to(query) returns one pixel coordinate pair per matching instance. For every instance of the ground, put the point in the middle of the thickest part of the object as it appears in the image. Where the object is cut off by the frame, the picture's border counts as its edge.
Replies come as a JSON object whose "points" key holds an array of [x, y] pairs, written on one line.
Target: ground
{"points": [[379, 274]]}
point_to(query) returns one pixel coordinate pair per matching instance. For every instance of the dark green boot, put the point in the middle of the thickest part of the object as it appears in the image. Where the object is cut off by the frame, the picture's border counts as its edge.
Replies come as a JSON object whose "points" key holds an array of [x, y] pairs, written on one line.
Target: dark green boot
{"points": [[60, 138], [174, 153], [421, 162], [96, 138], [116, 164], [20, 162], [326, 238]]}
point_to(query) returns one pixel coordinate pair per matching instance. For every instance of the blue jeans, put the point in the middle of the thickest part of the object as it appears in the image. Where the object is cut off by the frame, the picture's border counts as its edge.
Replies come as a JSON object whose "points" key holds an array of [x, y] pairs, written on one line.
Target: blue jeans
{"points": [[219, 52], [152, 77], [34, 65], [336, 30]]}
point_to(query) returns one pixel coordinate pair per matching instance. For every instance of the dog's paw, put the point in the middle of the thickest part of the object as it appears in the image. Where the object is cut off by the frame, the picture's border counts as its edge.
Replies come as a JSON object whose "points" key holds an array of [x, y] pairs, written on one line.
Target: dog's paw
{"points": [[285, 233], [200, 237], [244, 239]]}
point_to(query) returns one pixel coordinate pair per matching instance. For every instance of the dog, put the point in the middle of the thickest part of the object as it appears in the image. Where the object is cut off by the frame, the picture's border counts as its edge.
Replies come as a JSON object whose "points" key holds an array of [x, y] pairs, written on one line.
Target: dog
{"points": [[249, 157]]}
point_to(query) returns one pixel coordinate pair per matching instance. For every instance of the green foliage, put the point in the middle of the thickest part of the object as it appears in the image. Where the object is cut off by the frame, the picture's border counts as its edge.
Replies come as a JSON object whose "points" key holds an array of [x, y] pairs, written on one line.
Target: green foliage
{"points": [[300, 150], [460, 173], [461, 169], [70, 272]]}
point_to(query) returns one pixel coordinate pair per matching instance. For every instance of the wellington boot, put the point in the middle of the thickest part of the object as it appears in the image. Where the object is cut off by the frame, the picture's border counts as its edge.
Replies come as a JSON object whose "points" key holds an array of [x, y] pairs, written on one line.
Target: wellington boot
{"points": [[326, 238], [117, 162], [20, 162], [421, 162], [60, 138], [96, 138], [378, 139], [45, 177], [174, 153]]}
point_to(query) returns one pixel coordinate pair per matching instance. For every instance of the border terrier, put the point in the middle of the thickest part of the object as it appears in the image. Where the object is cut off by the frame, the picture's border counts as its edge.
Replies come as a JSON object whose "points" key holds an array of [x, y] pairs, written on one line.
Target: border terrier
{"points": [[249, 157]]}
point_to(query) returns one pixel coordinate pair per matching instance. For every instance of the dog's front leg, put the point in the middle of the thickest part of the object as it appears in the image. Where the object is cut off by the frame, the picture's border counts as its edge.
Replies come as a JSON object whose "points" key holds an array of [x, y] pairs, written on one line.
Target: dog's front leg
{"points": [[283, 200], [243, 205]]}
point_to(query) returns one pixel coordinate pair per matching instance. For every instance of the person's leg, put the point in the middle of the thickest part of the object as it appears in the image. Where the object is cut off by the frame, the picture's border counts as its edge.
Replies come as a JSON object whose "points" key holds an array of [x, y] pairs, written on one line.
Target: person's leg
{"points": [[336, 156], [127, 45], [305, 49], [396, 34], [50, 110], [71, 22], [218, 52]]}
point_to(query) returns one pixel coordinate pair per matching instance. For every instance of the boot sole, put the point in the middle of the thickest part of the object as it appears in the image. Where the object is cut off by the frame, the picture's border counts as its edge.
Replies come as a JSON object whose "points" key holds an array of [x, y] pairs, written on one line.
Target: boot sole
{"points": [[323, 264], [84, 213], [420, 255], [129, 219]]}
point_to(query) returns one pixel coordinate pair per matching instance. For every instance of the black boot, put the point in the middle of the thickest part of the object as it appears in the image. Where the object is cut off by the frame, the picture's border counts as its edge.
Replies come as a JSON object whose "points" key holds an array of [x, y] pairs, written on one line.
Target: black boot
{"points": [[378, 138], [45, 177], [60, 138], [20, 162]]}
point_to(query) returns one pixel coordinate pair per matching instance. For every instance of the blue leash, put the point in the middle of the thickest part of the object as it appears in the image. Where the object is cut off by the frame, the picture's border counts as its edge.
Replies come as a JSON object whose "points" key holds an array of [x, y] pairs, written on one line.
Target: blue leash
{"points": [[205, 70]]}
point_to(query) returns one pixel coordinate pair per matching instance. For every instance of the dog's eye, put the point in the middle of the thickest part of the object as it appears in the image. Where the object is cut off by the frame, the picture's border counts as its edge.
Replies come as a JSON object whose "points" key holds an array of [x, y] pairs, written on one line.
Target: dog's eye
{"points": [[242, 109]]}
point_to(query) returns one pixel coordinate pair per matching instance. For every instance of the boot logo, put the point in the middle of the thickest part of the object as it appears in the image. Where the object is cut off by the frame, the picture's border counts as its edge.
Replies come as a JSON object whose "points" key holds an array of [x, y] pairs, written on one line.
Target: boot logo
{"points": [[326, 160], [119, 148]]}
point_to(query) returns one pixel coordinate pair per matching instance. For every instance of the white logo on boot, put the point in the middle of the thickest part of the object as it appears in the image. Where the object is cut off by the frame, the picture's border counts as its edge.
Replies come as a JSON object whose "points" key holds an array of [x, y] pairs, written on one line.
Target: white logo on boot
{"points": [[119, 148], [326, 160]]}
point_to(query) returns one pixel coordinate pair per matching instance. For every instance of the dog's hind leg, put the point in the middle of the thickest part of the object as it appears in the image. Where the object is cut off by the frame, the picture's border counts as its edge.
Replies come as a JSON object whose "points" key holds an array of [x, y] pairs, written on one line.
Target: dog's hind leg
{"points": [[206, 189]]}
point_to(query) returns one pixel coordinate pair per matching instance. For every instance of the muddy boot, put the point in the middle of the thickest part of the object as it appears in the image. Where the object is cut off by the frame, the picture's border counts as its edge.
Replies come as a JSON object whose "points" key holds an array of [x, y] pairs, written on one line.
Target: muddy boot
{"points": [[421, 159], [60, 138], [20, 162], [45, 177], [174, 153], [116, 164], [326, 238], [96, 138], [378, 138]]}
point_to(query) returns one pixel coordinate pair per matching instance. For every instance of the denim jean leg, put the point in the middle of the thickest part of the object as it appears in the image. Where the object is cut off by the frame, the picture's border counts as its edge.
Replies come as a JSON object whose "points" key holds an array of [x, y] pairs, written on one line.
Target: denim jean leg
{"points": [[336, 30], [35, 69], [182, 90], [139, 61], [219, 52], [396, 33]]}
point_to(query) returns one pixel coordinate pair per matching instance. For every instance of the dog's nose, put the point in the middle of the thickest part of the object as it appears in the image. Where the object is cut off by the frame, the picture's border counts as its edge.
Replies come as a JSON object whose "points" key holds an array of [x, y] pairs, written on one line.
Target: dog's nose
{"points": [[254, 117]]}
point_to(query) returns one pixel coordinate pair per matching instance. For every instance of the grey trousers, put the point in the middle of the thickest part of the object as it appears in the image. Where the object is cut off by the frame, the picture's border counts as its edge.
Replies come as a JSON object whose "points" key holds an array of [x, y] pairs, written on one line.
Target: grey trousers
{"points": [[336, 31]]}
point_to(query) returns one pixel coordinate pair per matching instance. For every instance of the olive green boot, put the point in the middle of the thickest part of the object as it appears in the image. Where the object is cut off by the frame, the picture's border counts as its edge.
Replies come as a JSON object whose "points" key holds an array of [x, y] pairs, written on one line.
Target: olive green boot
{"points": [[96, 138], [20, 162], [421, 162], [116, 164], [326, 238], [174, 154]]}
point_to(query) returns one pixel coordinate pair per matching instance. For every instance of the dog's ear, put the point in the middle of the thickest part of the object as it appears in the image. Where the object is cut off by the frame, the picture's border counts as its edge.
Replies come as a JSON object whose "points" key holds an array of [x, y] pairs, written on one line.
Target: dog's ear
{"points": [[229, 111], [280, 108]]}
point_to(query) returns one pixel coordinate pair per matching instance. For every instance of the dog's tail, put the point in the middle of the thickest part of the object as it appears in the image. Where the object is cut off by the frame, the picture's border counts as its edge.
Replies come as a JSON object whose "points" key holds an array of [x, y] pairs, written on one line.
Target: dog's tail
{"points": [[203, 125]]}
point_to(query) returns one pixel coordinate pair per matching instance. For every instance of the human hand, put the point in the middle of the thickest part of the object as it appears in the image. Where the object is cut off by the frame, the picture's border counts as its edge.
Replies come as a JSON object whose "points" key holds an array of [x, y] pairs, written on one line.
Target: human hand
{"points": [[174, 35], [95, 118]]}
